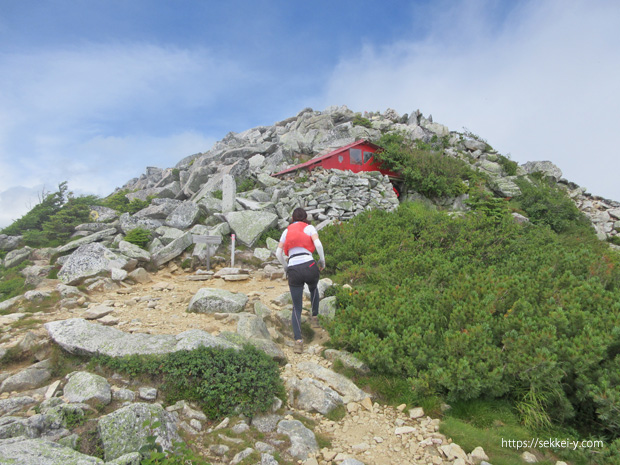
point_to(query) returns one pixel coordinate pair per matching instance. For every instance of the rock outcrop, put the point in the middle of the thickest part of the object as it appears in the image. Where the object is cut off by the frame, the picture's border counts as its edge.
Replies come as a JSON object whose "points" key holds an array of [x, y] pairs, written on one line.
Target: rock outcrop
{"points": [[77, 336]]}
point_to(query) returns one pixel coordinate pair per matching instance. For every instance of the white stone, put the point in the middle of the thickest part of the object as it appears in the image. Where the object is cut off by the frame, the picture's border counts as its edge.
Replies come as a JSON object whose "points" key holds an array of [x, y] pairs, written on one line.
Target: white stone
{"points": [[454, 451], [224, 423], [51, 390], [478, 455], [229, 193], [404, 430]]}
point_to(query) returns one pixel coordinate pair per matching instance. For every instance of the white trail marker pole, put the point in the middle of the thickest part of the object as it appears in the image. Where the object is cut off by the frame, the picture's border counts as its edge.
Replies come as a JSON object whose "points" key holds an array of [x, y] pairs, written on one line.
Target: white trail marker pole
{"points": [[232, 251]]}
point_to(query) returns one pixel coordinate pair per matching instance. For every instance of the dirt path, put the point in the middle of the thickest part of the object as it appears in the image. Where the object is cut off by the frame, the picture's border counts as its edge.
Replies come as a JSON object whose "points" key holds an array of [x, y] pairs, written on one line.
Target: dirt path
{"points": [[372, 433]]}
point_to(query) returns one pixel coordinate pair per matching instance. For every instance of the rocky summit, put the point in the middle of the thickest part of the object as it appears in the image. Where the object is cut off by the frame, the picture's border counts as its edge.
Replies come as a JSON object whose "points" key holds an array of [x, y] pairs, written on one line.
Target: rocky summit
{"points": [[189, 288]]}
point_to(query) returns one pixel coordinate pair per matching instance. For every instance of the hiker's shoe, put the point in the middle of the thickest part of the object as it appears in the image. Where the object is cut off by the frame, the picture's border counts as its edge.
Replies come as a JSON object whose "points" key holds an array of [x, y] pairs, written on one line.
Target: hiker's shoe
{"points": [[314, 322], [299, 347]]}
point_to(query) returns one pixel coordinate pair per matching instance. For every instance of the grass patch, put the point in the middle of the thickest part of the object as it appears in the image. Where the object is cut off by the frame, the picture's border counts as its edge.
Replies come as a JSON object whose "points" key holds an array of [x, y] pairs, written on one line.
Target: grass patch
{"points": [[307, 422], [323, 440], [486, 423], [46, 304], [90, 442], [15, 355], [248, 439], [26, 323], [337, 414], [63, 363]]}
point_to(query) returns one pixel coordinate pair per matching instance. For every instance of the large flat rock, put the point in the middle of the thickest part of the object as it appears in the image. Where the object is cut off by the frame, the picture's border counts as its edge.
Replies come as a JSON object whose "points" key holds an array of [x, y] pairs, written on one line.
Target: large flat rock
{"points": [[122, 432], [77, 336], [24, 451], [249, 225]]}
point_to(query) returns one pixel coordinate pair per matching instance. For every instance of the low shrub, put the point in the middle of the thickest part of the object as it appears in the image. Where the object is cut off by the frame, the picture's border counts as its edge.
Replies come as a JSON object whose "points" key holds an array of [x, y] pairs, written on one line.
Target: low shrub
{"points": [[546, 204], [139, 236], [424, 169], [359, 120], [486, 203], [273, 233], [119, 202], [509, 166], [478, 306], [222, 381], [245, 185]]}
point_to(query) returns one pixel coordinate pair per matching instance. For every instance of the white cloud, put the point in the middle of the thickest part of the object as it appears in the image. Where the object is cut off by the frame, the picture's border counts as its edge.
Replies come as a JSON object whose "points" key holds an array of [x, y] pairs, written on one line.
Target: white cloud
{"points": [[16, 201], [105, 163], [96, 115], [60, 87], [540, 85], [112, 161]]}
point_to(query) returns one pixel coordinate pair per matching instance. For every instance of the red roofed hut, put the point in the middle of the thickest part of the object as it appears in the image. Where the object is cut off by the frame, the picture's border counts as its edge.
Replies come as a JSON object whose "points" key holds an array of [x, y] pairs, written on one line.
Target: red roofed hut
{"points": [[358, 156]]}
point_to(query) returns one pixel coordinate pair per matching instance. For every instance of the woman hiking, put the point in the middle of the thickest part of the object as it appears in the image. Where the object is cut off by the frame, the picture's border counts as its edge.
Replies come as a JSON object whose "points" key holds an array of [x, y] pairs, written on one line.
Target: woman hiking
{"points": [[297, 243]]}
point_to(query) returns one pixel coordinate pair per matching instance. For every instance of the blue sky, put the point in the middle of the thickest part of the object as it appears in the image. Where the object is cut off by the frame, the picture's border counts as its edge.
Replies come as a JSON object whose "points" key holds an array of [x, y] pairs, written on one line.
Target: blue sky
{"points": [[93, 92]]}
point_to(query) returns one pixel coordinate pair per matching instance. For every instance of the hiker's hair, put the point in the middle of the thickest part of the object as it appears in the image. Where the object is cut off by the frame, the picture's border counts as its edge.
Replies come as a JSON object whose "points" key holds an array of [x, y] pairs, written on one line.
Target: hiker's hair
{"points": [[299, 214]]}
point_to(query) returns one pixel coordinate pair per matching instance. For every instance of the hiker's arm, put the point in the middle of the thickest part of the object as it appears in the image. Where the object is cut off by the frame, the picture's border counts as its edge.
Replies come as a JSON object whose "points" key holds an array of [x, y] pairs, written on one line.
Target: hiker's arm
{"points": [[280, 255], [319, 250]]}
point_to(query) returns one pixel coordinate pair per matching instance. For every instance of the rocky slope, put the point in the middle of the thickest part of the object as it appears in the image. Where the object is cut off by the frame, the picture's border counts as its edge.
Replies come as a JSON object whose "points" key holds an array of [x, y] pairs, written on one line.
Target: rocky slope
{"points": [[36, 428]]}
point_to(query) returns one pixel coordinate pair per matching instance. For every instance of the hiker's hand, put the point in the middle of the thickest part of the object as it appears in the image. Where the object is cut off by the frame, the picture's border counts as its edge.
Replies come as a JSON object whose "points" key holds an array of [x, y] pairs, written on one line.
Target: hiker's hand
{"points": [[321, 265]]}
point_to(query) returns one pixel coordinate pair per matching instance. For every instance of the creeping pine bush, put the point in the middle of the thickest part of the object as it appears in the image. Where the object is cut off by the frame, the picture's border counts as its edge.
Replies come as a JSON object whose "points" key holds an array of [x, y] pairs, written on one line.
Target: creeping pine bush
{"points": [[139, 236], [425, 169], [359, 120], [544, 203], [221, 381], [483, 307], [52, 222], [509, 166], [119, 202]]}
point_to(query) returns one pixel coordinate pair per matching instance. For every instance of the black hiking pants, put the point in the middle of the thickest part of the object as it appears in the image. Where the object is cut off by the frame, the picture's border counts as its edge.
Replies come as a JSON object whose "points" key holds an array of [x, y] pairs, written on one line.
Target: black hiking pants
{"points": [[298, 275]]}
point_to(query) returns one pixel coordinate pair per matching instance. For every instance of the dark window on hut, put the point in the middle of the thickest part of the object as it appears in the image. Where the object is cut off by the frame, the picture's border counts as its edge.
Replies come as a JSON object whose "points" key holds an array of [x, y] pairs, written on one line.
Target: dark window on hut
{"points": [[355, 156], [367, 157], [340, 158]]}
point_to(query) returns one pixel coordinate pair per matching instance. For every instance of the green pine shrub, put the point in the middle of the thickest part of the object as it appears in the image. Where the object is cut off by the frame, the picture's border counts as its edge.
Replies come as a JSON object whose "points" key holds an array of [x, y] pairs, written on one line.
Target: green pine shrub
{"points": [[544, 203], [486, 203], [479, 307], [615, 240], [245, 185], [424, 167], [359, 120], [509, 166], [139, 236], [119, 202], [40, 213], [222, 381], [52, 222]]}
